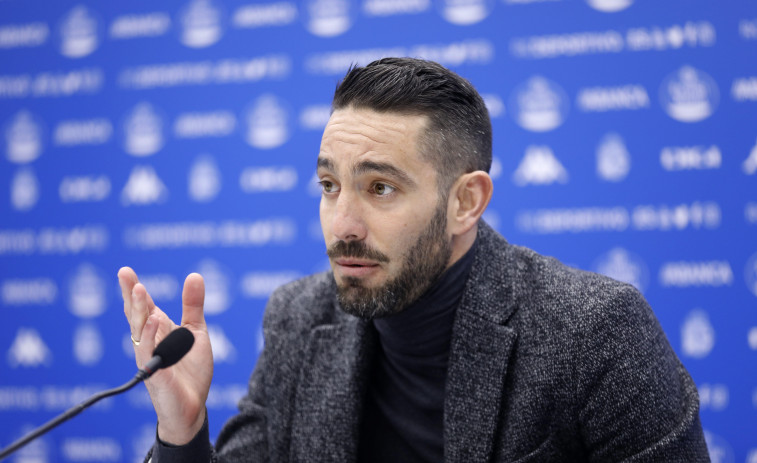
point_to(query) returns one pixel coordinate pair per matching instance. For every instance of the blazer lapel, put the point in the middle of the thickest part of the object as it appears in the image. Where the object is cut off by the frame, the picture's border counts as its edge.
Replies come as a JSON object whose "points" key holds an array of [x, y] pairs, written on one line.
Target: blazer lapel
{"points": [[481, 350], [330, 392]]}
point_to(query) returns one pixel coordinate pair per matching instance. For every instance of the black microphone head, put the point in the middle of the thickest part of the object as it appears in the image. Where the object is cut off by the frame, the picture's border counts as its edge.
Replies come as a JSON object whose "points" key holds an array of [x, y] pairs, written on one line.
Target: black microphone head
{"points": [[174, 347]]}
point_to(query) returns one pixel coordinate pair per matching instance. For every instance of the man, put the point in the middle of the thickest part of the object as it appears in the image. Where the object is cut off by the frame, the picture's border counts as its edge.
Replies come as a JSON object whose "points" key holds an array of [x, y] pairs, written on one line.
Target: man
{"points": [[432, 338]]}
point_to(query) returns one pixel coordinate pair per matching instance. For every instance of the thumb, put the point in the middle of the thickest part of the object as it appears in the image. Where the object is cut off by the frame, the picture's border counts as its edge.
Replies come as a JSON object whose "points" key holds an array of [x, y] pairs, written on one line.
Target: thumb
{"points": [[193, 299]]}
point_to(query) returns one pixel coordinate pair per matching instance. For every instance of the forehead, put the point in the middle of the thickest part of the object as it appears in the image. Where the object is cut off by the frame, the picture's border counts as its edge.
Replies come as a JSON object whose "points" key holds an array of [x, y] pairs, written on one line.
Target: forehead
{"points": [[358, 134]]}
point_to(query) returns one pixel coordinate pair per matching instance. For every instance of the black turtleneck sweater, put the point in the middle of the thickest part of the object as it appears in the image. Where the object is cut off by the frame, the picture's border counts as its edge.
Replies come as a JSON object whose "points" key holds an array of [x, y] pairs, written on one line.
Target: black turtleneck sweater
{"points": [[404, 403]]}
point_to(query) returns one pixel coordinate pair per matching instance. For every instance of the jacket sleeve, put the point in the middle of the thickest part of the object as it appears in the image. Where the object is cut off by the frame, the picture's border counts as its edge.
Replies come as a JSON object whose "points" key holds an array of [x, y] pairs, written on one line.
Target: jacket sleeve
{"points": [[639, 402]]}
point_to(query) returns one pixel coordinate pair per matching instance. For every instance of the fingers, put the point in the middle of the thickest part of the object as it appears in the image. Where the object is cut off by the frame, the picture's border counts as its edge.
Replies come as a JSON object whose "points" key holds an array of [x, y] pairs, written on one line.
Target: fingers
{"points": [[140, 310], [147, 344], [127, 278], [193, 299]]}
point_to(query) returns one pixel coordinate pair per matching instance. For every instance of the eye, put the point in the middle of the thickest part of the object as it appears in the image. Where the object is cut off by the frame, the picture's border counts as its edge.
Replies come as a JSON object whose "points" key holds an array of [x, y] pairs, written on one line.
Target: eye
{"points": [[328, 186], [382, 189]]}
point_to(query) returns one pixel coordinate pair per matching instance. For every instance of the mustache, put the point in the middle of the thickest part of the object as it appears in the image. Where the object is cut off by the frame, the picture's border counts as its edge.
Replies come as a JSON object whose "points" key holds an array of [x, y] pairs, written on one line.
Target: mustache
{"points": [[356, 249]]}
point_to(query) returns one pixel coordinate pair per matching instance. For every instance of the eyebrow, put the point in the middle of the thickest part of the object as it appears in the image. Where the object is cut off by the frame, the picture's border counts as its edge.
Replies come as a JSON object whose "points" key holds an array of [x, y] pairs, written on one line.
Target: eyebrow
{"points": [[364, 167]]}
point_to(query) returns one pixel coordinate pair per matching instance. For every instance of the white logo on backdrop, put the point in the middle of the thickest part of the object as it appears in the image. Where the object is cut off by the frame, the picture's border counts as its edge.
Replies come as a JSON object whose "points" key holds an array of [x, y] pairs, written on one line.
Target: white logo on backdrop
{"points": [[539, 105], [465, 12], [720, 450], [750, 274], [689, 95], [143, 130], [328, 18], [142, 441], [87, 294], [23, 138], [78, 33], [24, 189], [494, 104], [539, 166], [267, 123], [88, 344], [609, 6], [223, 348], [217, 286], [143, 187], [697, 335], [749, 166], [260, 339], [621, 265], [200, 24], [204, 179], [613, 160], [85, 188], [752, 456], [752, 338], [36, 451], [28, 350]]}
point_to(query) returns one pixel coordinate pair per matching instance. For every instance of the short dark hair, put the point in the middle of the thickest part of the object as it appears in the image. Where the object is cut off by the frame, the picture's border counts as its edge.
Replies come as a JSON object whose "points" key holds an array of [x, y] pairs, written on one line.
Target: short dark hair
{"points": [[458, 139]]}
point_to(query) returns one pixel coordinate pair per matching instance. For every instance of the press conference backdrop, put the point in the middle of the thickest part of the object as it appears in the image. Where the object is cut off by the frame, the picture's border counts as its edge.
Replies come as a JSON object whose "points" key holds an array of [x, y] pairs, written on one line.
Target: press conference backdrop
{"points": [[181, 136]]}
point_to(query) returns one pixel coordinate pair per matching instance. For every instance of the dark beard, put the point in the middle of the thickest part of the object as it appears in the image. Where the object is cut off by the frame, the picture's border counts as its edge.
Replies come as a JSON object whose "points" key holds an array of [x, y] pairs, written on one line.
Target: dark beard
{"points": [[424, 262]]}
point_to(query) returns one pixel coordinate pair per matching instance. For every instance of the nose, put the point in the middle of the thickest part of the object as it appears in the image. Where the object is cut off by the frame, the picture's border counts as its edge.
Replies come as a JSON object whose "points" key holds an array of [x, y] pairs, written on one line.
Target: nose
{"points": [[347, 220]]}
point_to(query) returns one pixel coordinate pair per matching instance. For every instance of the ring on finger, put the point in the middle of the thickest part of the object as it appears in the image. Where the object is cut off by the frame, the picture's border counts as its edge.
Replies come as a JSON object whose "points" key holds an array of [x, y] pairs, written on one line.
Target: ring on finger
{"points": [[134, 341]]}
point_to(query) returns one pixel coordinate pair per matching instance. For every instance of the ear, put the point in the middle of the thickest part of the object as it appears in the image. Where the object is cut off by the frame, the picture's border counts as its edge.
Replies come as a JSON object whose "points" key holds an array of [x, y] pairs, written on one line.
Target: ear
{"points": [[468, 199]]}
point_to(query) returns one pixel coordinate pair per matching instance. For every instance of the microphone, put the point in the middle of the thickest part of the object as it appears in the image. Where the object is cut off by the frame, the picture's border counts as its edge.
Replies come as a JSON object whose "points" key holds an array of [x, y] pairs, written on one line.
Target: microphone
{"points": [[169, 351]]}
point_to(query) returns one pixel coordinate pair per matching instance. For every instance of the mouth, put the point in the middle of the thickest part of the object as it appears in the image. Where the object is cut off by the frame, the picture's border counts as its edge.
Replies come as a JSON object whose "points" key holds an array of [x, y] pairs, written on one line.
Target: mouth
{"points": [[351, 267]]}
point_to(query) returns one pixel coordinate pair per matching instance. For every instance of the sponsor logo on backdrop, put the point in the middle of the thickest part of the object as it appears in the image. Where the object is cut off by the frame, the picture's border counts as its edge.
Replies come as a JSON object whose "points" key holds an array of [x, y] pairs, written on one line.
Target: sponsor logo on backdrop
{"points": [[224, 71], [260, 339], [750, 213], [204, 179], [465, 12], [748, 29], [602, 99], [83, 132], [576, 220], [142, 441], [494, 104], [36, 451], [621, 265], [328, 18], [88, 344], [23, 35], [697, 335], [52, 84], [28, 350], [140, 25], [201, 23], [49, 241], [272, 14], [91, 449], [210, 124], [394, 7], [749, 166], [230, 233], [87, 295], [713, 397], [225, 397], [23, 138], [143, 187], [262, 284], [750, 274], [161, 286], [744, 89], [315, 117], [539, 166], [88, 188], [472, 52], [33, 291], [752, 338], [751, 456], [217, 286], [267, 124], [609, 6], [268, 179], [675, 158], [685, 274], [143, 130], [78, 33], [24, 189], [613, 160], [223, 348], [689, 95], [495, 170], [696, 216], [720, 450], [539, 105]]}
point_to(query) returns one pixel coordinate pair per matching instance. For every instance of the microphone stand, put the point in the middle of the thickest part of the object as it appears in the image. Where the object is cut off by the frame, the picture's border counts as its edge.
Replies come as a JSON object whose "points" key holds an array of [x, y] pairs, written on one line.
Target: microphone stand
{"points": [[72, 412]]}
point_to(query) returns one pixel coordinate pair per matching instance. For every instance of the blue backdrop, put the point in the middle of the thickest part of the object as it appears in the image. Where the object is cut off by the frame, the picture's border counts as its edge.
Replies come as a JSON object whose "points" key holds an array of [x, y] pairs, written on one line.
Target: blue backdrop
{"points": [[181, 136]]}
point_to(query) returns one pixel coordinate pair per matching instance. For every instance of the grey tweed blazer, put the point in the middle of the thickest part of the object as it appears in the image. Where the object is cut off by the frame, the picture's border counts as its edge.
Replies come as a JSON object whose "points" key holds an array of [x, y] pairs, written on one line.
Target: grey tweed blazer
{"points": [[548, 364]]}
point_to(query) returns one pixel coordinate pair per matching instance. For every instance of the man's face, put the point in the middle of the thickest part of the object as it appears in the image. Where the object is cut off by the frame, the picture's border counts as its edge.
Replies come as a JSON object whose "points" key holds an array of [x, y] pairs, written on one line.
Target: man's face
{"points": [[381, 215]]}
